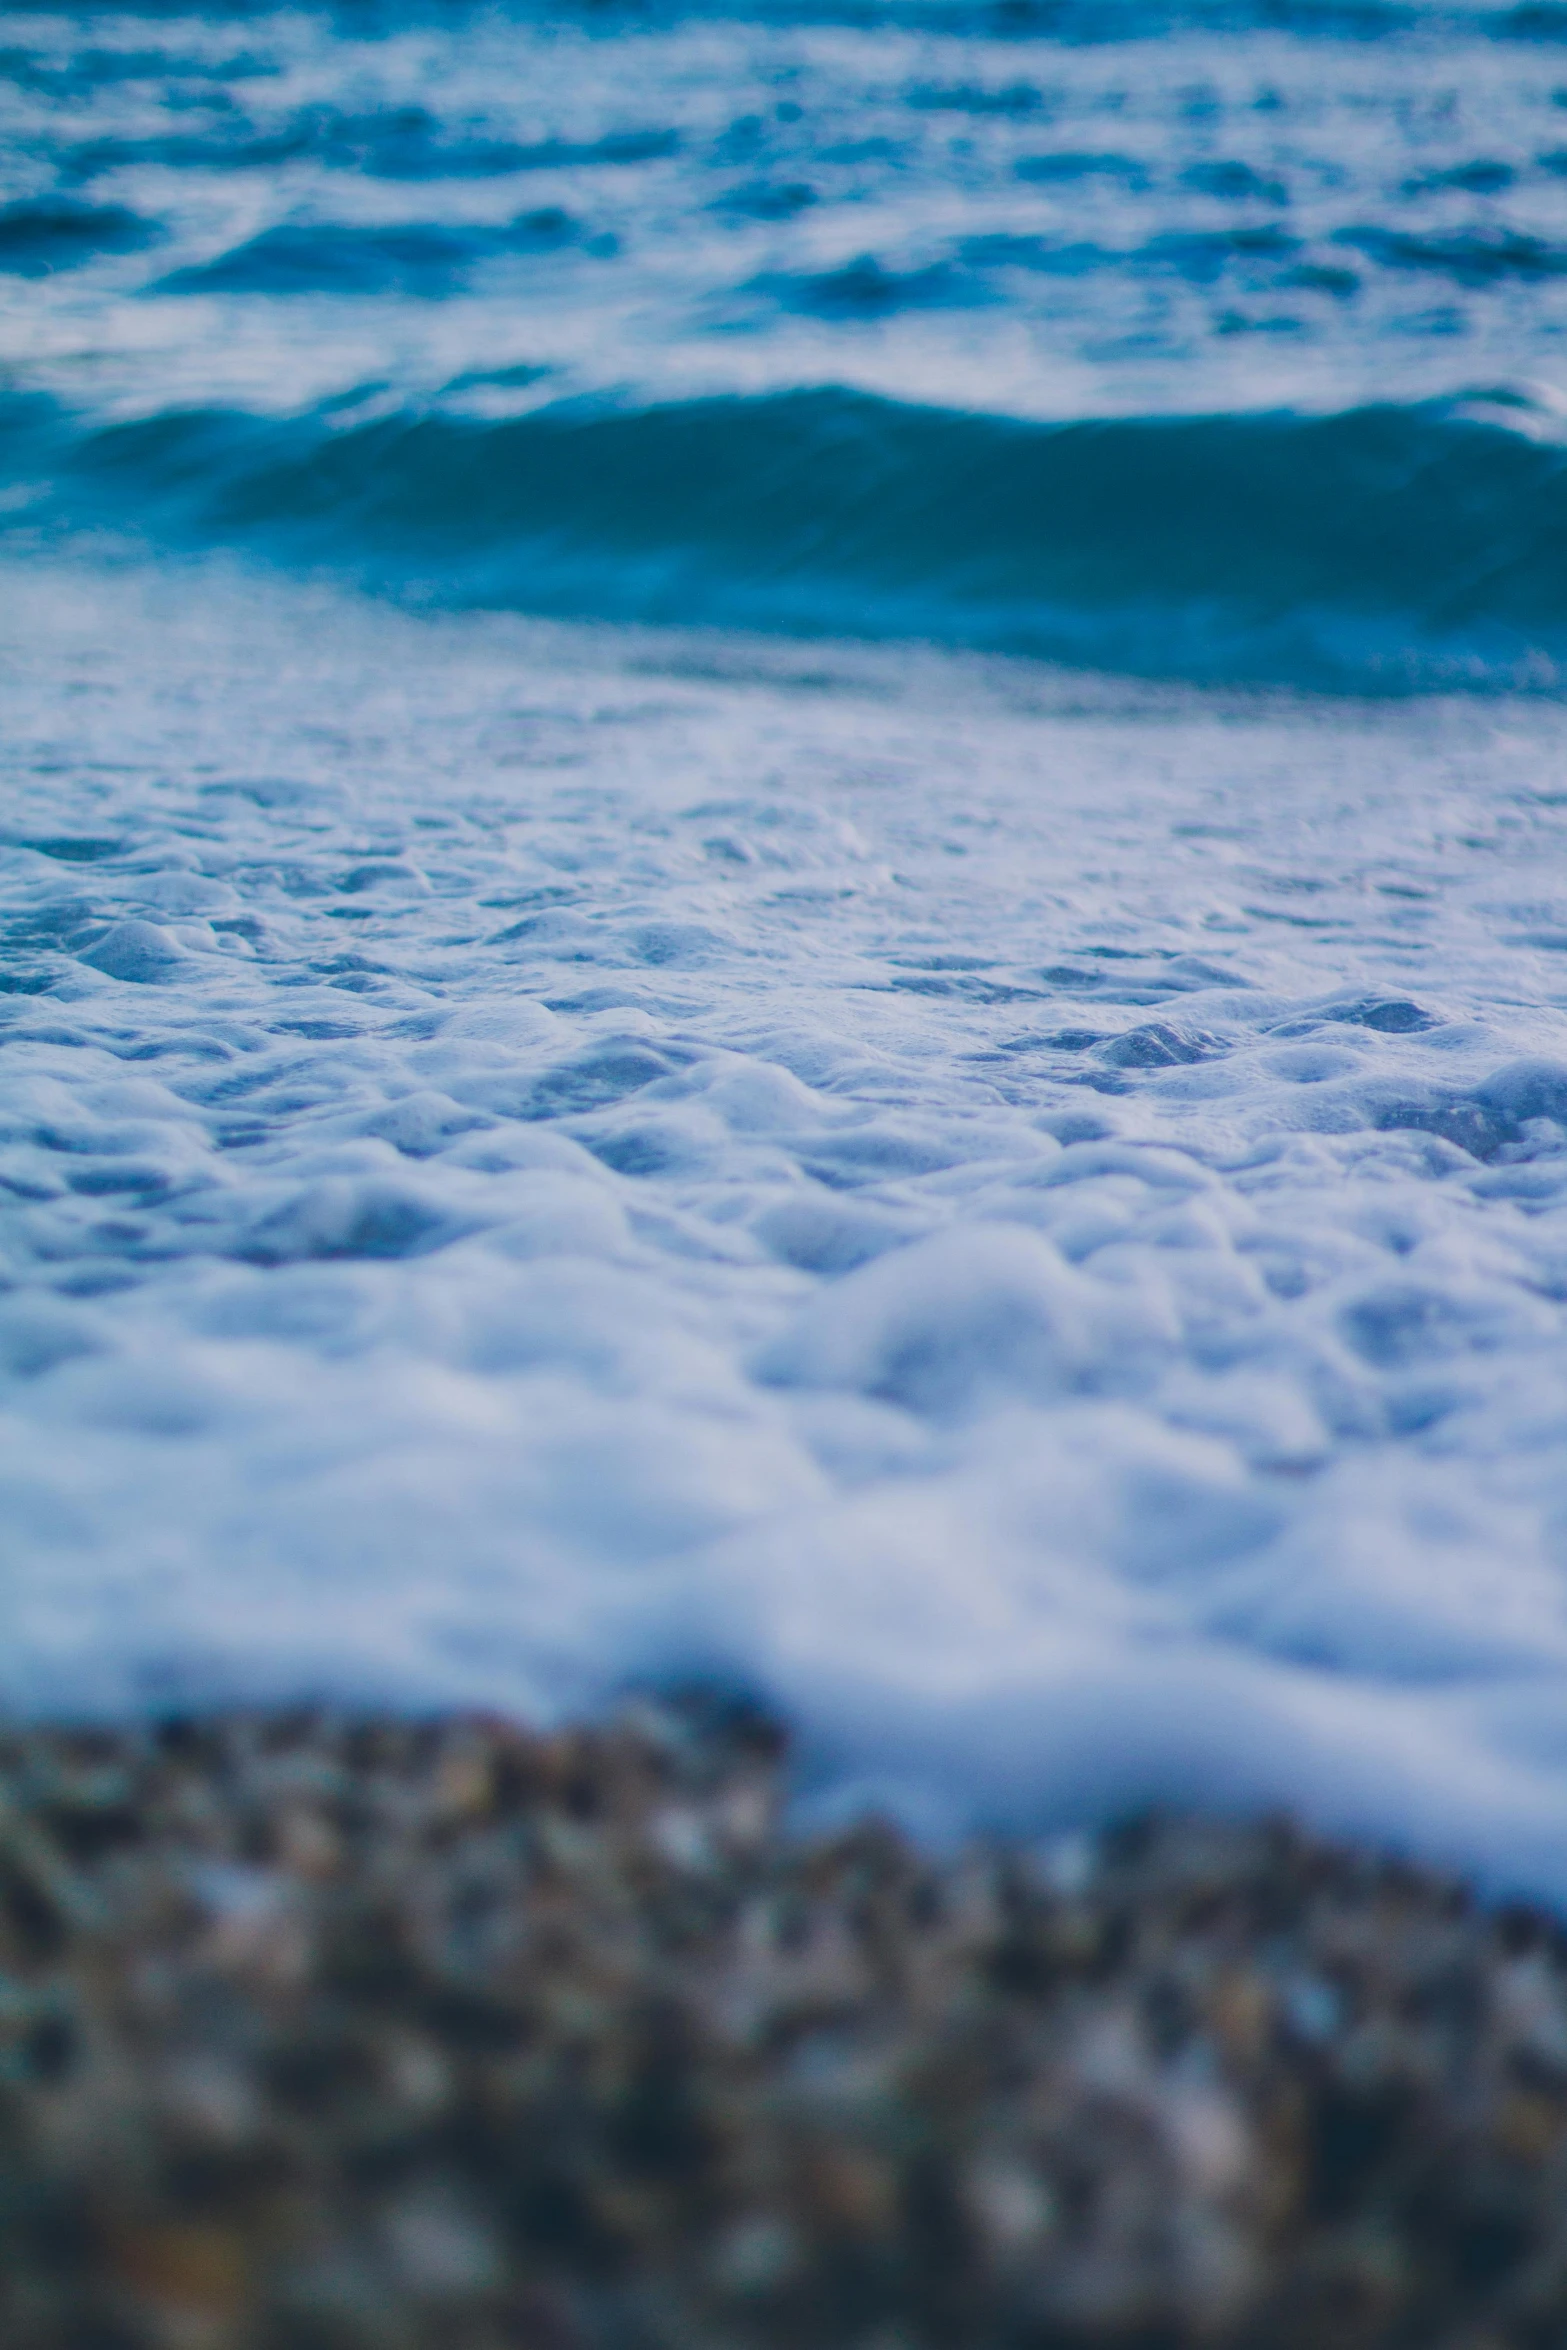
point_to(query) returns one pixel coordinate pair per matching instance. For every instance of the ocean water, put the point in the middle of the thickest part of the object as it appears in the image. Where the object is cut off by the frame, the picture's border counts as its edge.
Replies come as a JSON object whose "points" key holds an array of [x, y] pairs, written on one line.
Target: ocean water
{"points": [[783, 877]]}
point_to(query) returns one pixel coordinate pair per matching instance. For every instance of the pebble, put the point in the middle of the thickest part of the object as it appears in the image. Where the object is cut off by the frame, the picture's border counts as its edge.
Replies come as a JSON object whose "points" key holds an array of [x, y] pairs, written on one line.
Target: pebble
{"points": [[331, 2033]]}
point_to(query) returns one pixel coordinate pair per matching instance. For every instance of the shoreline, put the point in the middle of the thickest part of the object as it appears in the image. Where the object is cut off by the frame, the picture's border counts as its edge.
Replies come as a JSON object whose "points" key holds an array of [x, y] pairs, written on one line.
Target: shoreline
{"points": [[347, 2032]]}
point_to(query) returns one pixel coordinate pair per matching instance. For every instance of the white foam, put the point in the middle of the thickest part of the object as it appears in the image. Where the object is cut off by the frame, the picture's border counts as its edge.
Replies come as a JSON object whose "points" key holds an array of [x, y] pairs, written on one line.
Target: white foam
{"points": [[1029, 1226]]}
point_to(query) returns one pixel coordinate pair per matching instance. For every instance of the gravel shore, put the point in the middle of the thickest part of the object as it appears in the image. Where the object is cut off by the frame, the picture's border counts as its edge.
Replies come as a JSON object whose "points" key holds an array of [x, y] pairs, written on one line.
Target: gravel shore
{"points": [[330, 2033]]}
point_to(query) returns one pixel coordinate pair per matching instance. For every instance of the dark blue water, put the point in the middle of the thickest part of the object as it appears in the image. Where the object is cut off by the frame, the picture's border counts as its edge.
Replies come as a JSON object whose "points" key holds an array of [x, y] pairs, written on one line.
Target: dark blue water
{"points": [[1388, 547], [1220, 341]]}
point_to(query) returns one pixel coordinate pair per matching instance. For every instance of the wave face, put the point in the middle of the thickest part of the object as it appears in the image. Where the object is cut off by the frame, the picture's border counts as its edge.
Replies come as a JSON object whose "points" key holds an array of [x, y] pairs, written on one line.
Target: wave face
{"points": [[1134, 333], [1385, 549]]}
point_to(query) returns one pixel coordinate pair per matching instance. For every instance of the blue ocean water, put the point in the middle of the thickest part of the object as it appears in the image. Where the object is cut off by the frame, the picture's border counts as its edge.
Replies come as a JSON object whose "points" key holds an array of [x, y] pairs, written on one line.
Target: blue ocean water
{"points": [[1216, 341], [783, 870]]}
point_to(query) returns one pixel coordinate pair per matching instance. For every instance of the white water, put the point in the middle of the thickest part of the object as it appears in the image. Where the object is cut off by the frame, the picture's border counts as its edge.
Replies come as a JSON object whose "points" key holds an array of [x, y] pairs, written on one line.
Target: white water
{"points": [[540, 1158]]}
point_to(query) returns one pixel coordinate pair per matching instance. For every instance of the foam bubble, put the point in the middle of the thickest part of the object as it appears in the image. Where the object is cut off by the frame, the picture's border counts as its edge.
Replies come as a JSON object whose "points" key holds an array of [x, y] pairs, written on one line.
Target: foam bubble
{"points": [[554, 1255]]}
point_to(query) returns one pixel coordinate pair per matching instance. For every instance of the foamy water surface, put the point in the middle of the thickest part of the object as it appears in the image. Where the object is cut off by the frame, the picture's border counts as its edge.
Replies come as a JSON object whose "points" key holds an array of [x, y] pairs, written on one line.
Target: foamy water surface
{"points": [[600, 1081], [1029, 1225]]}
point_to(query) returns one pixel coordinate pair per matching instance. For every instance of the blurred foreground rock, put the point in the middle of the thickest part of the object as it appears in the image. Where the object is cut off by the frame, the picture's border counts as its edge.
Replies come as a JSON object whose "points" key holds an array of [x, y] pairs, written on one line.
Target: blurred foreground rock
{"points": [[332, 2034]]}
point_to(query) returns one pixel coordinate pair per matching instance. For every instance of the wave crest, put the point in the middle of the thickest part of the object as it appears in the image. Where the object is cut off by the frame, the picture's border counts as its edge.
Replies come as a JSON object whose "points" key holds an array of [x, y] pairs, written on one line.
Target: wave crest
{"points": [[1381, 549]]}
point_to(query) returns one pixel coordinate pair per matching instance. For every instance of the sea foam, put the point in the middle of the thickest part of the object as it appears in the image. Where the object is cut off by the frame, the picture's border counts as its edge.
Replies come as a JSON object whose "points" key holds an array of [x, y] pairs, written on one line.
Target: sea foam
{"points": [[1020, 1222]]}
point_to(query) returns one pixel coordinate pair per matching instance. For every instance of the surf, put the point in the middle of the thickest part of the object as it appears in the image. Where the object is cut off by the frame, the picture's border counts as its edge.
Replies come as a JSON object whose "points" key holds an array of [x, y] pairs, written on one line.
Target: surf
{"points": [[1384, 549]]}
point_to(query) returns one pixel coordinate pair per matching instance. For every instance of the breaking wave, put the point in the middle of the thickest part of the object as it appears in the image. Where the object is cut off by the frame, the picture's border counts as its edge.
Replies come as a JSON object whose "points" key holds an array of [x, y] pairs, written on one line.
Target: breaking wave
{"points": [[1383, 549]]}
